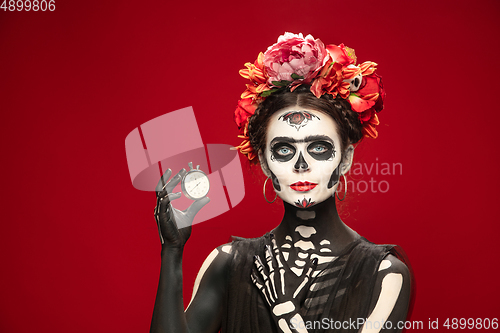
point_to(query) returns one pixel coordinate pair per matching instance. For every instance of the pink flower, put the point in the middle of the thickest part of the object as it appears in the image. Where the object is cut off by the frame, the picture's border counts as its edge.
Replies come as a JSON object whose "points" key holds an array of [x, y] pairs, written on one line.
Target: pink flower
{"points": [[294, 54]]}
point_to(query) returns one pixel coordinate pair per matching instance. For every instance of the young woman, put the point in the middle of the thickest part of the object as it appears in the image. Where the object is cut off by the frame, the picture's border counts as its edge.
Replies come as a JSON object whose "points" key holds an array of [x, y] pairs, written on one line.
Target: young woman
{"points": [[305, 108]]}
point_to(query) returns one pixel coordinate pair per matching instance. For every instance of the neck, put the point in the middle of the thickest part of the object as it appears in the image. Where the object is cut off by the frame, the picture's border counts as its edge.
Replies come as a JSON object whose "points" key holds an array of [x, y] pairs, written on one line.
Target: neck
{"points": [[317, 223]]}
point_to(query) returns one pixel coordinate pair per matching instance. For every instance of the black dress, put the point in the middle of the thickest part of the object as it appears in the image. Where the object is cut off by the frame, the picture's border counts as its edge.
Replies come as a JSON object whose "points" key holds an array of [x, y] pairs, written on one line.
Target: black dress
{"points": [[339, 293]]}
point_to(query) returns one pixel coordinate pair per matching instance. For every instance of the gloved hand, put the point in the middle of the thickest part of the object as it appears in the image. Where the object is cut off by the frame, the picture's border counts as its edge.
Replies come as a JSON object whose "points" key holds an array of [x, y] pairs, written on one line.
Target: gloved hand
{"points": [[174, 226]]}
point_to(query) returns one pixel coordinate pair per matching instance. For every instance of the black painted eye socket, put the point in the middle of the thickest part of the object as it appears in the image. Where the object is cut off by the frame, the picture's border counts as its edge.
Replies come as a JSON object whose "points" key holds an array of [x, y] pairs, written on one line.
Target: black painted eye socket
{"points": [[321, 150], [283, 152]]}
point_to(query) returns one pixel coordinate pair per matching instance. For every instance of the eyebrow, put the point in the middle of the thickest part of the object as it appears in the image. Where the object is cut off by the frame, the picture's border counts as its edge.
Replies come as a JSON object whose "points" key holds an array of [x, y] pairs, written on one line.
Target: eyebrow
{"points": [[308, 138]]}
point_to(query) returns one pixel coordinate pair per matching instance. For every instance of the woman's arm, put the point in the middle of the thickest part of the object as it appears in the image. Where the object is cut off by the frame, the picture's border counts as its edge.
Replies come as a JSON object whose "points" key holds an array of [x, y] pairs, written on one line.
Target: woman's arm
{"points": [[391, 297], [204, 312], [168, 314]]}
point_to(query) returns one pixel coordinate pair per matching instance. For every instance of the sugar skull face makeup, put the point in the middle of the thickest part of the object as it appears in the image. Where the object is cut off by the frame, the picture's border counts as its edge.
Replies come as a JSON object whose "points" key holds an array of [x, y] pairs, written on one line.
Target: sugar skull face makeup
{"points": [[303, 155]]}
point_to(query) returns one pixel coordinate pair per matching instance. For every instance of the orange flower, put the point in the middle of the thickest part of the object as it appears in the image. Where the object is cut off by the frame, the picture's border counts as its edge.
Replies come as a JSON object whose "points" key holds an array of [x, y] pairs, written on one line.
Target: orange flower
{"points": [[328, 80], [338, 68], [369, 125], [256, 74], [368, 68], [246, 148]]}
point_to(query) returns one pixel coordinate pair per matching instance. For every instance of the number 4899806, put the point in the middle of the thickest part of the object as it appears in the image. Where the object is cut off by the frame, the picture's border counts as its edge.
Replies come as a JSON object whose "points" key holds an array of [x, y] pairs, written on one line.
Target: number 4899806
{"points": [[28, 5]]}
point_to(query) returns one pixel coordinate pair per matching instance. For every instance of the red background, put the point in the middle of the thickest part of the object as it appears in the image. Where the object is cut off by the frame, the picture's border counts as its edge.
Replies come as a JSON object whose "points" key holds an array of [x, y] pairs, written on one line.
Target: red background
{"points": [[79, 249]]}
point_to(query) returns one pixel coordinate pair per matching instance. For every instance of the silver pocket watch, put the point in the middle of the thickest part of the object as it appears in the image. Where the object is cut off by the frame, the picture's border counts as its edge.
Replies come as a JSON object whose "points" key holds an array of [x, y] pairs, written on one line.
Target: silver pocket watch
{"points": [[195, 184]]}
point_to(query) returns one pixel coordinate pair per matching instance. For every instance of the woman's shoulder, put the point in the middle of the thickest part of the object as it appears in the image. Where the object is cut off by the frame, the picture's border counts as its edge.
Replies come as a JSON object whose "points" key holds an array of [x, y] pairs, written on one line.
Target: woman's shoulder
{"points": [[393, 261], [391, 258], [222, 255], [392, 264], [216, 262], [239, 244]]}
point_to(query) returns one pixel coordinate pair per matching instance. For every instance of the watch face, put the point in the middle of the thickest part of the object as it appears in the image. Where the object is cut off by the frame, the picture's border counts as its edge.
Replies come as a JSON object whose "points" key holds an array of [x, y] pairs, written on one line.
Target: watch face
{"points": [[196, 185]]}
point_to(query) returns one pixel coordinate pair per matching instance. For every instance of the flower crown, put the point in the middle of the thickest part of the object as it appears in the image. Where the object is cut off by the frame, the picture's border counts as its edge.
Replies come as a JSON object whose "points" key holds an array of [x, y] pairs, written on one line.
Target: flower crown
{"points": [[295, 60]]}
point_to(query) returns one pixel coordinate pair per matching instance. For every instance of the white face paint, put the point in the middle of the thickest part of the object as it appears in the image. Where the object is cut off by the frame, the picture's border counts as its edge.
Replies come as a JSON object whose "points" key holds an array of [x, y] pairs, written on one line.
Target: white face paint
{"points": [[302, 151]]}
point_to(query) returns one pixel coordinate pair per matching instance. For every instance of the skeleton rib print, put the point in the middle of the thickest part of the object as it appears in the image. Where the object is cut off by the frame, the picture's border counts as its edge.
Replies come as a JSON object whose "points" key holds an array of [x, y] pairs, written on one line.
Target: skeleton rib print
{"points": [[325, 276]]}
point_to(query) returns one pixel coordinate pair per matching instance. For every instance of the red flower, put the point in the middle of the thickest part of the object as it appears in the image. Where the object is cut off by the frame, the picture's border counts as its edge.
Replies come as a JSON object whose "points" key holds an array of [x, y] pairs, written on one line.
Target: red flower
{"points": [[371, 94], [244, 110], [341, 54], [372, 84], [367, 101]]}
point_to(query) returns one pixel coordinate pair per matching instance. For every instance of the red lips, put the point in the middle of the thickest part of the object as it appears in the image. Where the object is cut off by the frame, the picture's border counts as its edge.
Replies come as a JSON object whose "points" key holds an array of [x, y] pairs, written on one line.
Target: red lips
{"points": [[303, 186]]}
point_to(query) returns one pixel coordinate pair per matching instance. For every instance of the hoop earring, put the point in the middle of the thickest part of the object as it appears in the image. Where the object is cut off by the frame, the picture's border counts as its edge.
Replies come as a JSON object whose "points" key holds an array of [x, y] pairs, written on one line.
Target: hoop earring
{"points": [[345, 192], [264, 191]]}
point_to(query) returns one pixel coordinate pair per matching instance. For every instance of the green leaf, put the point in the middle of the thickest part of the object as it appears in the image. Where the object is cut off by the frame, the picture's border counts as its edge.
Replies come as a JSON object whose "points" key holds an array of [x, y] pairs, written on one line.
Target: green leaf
{"points": [[282, 83], [269, 92], [297, 77]]}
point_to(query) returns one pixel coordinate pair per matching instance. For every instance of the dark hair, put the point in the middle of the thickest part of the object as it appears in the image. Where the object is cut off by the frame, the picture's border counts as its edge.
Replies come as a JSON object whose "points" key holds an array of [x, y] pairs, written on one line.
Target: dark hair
{"points": [[348, 125]]}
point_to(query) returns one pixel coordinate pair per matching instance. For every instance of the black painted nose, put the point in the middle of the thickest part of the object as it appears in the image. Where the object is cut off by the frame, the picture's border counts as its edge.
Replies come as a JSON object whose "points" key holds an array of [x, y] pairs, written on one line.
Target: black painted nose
{"points": [[301, 164]]}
